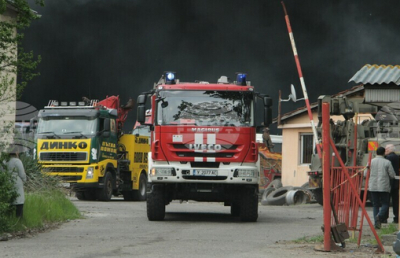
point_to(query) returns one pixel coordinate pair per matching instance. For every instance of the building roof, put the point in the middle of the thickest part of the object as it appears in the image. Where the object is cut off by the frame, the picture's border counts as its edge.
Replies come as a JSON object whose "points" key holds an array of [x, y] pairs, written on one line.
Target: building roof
{"points": [[377, 74], [314, 105]]}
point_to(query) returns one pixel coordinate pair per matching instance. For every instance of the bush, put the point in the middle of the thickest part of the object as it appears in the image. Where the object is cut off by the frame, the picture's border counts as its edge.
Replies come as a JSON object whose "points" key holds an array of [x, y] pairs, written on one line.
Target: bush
{"points": [[45, 201], [8, 194], [43, 207], [36, 180]]}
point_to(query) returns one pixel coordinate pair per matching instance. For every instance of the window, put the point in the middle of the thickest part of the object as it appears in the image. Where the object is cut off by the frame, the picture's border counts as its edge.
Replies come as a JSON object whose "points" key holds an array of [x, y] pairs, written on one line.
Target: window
{"points": [[306, 148]]}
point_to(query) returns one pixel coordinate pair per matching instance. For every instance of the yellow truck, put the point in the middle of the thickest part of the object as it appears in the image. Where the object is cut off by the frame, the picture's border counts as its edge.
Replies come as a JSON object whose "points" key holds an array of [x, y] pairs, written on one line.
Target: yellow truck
{"points": [[83, 144]]}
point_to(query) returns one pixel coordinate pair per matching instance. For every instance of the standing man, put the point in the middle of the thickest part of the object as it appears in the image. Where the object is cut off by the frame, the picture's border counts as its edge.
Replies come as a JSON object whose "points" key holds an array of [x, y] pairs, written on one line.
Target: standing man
{"points": [[379, 185], [394, 192]]}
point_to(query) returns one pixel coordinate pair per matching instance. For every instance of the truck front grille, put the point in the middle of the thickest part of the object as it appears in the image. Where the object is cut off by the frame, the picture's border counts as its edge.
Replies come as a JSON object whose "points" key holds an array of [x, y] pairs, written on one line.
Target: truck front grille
{"points": [[204, 164], [62, 169], [71, 178], [63, 156]]}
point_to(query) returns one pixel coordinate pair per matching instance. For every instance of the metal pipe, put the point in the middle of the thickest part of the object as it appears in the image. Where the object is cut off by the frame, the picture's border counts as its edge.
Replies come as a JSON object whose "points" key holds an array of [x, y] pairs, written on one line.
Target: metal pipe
{"points": [[303, 84], [326, 176]]}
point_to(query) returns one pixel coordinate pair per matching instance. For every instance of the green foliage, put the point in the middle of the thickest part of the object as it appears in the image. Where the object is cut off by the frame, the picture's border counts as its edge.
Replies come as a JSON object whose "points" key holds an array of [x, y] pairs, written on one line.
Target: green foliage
{"points": [[8, 195], [36, 180], [13, 58], [45, 207]]}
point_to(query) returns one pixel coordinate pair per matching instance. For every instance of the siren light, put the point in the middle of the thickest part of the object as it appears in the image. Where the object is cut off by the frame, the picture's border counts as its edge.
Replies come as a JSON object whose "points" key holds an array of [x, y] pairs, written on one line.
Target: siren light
{"points": [[241, 79], [170, 78]]}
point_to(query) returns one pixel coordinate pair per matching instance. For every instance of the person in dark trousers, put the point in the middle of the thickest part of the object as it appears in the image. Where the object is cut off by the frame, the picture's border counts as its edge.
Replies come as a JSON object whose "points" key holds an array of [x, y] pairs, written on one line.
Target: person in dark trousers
{"points": [[16, 168], [394, 192], [381, 171]]}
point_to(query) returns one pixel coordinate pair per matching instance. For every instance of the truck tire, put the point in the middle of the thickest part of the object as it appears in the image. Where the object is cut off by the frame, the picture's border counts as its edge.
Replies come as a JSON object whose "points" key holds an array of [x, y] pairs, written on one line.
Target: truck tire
{"points": [[318, 196], [235, 209], [140, 194], [249, 206], [80, 195], [276, 183], [266, 192], [156, 204], [90, 195], [278, 197], [105, 193]]}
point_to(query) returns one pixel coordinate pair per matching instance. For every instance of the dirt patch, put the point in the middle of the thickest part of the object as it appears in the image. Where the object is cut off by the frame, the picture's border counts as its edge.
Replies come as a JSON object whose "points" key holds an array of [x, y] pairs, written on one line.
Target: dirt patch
{"points": [[28, 233]]}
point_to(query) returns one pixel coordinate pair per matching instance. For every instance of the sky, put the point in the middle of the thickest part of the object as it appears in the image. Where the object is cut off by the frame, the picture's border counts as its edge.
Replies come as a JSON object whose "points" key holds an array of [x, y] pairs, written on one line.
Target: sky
{"points": [[96, 48]]}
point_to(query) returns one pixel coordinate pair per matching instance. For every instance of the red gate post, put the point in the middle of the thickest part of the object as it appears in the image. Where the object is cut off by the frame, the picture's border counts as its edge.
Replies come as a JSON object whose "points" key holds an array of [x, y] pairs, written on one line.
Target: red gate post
{"points": [[326, 168]]}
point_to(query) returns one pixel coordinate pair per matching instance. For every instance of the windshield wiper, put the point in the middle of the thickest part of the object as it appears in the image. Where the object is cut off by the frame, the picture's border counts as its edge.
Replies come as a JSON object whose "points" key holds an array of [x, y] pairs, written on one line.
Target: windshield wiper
{"points": [[55, 135], [76, 132]]}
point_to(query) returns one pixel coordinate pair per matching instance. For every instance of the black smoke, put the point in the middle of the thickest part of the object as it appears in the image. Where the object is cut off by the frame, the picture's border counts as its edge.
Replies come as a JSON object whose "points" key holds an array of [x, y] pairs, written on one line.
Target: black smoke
{"points": [[96, 48]]}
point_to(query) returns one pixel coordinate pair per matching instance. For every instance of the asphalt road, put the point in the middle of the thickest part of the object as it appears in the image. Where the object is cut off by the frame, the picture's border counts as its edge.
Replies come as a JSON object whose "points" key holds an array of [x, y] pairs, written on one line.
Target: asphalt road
{"points": [[121, 229]]}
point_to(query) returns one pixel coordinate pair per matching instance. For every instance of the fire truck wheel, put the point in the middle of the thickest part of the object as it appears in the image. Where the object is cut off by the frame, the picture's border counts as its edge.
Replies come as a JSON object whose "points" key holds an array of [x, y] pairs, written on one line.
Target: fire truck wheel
{"points": [[249, 206], [105, 193], [140, 194], [156, 204], [235, 209], [278, 197], [318, 196]]}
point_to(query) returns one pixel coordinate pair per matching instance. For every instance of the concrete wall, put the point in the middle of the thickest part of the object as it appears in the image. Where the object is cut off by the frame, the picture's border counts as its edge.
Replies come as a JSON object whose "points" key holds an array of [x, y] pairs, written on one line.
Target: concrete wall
{"points": [[7, 95], [294, 173]]}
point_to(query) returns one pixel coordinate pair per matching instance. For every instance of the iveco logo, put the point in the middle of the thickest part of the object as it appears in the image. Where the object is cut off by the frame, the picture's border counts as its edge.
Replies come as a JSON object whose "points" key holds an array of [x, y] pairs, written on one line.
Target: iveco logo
{"points": [[196, 146], [216, 130]]}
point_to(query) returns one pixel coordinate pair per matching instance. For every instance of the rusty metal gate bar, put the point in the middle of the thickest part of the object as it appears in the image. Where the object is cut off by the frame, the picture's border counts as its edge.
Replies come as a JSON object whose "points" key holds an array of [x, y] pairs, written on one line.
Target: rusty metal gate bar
{"points": [[345, 182], [344, 201]]}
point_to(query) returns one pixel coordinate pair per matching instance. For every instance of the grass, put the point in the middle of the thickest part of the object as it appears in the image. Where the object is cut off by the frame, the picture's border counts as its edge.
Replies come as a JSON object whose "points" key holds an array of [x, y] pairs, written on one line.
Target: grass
{"points": [[310, 239], [45, 207]]}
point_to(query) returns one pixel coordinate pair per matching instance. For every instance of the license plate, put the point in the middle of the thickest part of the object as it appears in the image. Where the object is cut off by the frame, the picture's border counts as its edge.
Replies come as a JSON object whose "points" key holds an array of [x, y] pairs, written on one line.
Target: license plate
{"points": [[205, 172]]}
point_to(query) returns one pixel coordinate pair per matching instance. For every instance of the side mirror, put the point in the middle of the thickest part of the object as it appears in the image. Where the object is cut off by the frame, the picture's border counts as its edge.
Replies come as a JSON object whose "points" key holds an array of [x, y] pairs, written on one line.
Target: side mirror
{"points": [[267, 116], [141, 114], [32, 125], [267, 101], [141, 100], [267, 110]]}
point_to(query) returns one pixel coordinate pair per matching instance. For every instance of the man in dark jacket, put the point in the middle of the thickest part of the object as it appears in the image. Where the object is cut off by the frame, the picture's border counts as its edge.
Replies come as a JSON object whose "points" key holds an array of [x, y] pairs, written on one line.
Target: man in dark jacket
{"points": [[394, 192]]}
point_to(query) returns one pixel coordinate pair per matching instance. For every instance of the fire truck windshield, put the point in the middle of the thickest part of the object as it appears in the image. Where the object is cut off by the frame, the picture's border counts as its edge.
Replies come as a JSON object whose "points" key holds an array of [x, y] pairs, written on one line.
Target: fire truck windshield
{"points": [[205, 108], [67, 125]]}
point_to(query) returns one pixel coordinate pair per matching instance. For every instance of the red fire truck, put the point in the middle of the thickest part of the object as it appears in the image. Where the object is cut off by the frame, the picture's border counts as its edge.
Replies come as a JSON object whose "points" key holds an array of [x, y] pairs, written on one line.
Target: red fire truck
{"points": [[203, 143]]}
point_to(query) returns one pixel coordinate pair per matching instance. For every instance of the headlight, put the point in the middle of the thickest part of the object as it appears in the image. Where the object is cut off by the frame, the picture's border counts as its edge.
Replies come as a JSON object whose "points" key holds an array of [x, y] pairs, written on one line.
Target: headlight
{"points": [[163, 172], [245, 173], [89, 173]]}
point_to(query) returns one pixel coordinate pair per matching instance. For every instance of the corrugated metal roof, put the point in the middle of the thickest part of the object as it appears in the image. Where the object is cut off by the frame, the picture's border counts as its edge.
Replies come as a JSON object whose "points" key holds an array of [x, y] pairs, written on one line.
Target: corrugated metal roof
{"points": [[377, 74]]}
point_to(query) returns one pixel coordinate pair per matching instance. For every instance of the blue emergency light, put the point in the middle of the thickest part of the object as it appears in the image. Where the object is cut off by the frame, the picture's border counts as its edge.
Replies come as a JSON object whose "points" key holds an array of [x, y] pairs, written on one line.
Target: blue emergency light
{"points": [[241, 79], [170, 78]]}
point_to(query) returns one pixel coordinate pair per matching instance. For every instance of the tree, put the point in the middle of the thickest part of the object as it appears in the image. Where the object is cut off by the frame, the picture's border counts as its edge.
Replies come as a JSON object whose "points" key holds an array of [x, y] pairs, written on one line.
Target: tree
{"points": [[15, 17], [15, 62]]}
